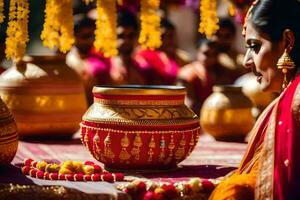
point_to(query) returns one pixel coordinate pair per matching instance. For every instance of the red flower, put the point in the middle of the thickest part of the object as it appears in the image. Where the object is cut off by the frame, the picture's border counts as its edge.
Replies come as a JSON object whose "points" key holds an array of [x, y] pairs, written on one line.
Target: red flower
{"points": [[170, 191], [207, 185]]}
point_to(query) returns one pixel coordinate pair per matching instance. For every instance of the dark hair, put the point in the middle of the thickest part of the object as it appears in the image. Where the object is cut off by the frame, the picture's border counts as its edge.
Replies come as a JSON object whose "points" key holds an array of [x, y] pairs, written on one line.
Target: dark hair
{"points": [[272, 17], [207, 42], [127, 19], [167, 24], [227, 23], [82, 21]]}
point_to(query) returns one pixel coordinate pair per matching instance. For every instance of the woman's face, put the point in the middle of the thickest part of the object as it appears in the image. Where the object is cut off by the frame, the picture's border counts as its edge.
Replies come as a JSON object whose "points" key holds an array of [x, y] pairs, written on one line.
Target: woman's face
{"points": [[262, 56]]}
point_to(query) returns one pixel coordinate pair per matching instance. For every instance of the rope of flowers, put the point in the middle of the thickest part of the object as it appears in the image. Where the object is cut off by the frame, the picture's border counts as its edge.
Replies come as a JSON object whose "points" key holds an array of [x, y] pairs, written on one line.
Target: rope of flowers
{"points": [[193, 188], [209, 19], [58, 28], [106, 28], [69, 171], [17, 31], [150, 36]]}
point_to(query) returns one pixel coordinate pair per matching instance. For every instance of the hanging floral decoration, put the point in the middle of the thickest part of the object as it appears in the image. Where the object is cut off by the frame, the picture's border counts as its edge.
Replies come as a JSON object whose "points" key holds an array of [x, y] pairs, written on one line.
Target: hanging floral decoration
{"points": [[17, 31], [58, 27], [1, 11], [106, 27], [150, 36], [209, 19]]}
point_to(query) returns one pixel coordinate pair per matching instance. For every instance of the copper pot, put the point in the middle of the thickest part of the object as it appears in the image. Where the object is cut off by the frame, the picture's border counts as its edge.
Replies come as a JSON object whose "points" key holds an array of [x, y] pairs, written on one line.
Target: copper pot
{"points": [[226, 113], [45, 96], [8, 135], [140, 127]]}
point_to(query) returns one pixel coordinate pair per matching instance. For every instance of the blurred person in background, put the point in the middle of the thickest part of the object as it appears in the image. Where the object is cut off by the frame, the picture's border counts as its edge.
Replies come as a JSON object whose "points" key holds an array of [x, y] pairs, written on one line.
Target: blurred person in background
{"points": [[124, 68], [229, 57], [92, 66], [200, 76], [165, 62]]}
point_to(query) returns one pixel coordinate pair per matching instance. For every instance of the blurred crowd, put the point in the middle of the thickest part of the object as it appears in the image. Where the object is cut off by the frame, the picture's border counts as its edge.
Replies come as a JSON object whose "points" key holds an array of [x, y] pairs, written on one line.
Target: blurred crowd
{"points": [[216, 60]]}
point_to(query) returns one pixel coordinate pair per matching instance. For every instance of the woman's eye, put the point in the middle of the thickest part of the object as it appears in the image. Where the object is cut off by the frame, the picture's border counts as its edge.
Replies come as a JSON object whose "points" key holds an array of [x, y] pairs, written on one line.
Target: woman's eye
{"points": [[254, 47]]}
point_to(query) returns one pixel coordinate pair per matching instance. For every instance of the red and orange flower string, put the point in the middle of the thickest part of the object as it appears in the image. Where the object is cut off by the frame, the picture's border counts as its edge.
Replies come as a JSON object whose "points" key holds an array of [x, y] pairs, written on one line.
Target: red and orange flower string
{"points": [[58, 27], [209, 19], [17, 31], [106, 27], [150, 36]]}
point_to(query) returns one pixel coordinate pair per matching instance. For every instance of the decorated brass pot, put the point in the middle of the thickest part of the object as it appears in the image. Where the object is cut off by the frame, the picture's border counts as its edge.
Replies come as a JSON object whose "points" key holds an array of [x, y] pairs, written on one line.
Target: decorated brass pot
{"points": [[226, 113], [45, 96], [139, 127], [8, 135]]}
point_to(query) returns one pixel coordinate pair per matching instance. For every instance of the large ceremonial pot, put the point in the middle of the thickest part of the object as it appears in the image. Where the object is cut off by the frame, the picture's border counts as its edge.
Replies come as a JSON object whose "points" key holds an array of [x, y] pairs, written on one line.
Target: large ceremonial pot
{"points": [[45, 96], [8, 135], [226, 113], [139, 127]]}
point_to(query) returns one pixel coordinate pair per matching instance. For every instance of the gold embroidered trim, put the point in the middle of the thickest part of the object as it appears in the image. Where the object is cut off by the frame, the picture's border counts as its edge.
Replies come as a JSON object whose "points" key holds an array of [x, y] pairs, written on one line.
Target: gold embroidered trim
{"points": [[264, 182]]}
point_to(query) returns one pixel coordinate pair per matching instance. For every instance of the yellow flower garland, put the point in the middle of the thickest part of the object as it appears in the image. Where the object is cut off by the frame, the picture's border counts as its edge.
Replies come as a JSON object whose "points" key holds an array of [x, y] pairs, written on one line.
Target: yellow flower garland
{"points": [[209, 19], [58, 27], [106, 28], [150, 36], [17, 31], [1, 11]]}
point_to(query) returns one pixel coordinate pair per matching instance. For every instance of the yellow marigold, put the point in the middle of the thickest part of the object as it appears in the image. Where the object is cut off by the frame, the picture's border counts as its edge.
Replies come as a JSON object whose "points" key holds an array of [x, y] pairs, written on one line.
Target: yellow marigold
{"points": [[106, 28], [150, 36], [58, 27], [209, 19], [231, 9], [17, 31], [1, 11]]}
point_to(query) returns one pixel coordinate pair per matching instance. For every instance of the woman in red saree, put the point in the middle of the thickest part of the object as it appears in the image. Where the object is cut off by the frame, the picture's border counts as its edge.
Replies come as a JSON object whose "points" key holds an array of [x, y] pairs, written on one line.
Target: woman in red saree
{"points": [[270, 168]]}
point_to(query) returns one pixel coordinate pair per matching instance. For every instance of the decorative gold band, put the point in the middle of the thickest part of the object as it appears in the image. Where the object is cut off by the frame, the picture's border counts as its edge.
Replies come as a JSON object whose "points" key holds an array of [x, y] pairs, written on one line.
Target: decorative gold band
{"points": [[139, 102], [110, 130]]}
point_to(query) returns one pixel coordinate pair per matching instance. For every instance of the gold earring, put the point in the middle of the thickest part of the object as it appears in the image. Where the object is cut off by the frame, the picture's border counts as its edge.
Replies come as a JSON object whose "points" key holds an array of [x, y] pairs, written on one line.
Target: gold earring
{"points": [[285, 63]]}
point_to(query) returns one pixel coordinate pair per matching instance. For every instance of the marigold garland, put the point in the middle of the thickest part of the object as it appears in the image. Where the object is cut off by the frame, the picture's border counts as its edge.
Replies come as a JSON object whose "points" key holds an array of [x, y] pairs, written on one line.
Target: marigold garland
{"points": [[209, 19], [58, 27], [150, 36], [17, 31], [106, 27], [1, 11]]}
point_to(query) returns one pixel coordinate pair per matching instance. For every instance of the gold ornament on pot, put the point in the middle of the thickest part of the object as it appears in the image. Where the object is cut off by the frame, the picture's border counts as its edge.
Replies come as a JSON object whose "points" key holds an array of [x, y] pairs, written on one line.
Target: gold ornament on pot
{"points": [[45, 96], [226, 113]]}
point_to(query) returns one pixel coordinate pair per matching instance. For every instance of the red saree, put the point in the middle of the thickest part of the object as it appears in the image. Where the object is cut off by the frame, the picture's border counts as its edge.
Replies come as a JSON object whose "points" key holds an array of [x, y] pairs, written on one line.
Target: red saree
{"points": [[271, 166]]}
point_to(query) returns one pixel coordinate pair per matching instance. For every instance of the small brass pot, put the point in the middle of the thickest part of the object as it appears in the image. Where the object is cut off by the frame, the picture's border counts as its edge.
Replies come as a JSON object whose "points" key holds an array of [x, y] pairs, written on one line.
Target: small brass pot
{"points": [[226, 113]]}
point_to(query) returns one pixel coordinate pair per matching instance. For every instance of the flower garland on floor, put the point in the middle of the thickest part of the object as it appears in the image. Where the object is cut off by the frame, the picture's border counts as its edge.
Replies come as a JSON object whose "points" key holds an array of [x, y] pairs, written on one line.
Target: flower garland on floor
{"points": [[69, 171], [194, 188], [17, 31], [106, 27], [209, 19], [1, 11], [150, 36], [58, 28]]}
